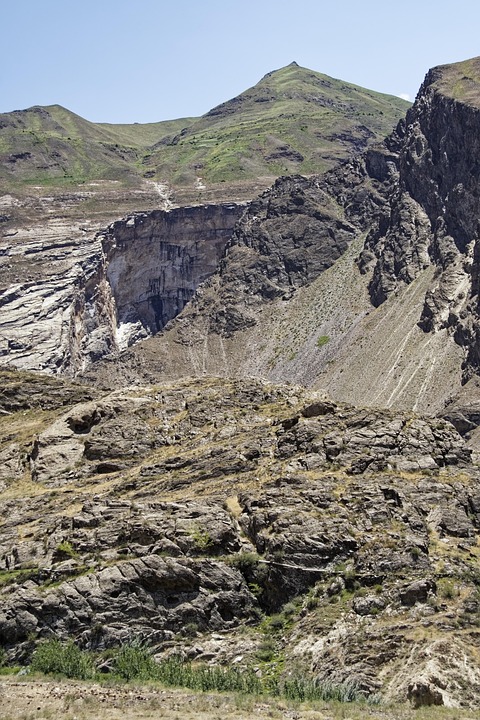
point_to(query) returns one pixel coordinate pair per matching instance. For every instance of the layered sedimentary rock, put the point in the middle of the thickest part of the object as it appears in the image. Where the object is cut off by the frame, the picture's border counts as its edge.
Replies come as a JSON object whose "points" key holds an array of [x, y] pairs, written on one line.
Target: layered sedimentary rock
{"points": [[93, 294]]}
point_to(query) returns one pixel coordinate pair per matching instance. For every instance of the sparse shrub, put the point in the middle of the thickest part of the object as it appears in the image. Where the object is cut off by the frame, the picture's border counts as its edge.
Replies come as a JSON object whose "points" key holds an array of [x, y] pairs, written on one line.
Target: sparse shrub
{"points": [[134, 661], [245, 561], [266, 650], [65, 551], [312, 602], [201, 538], [322, 340], [190, 629], [54, 657], [289, 609], [447, 589]]}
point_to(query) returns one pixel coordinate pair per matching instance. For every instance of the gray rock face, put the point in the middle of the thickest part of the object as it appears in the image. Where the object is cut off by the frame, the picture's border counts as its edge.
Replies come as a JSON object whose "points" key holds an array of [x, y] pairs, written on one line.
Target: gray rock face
{"points": [[155, 261], [149, 596], [433, 211], [96, 294]]}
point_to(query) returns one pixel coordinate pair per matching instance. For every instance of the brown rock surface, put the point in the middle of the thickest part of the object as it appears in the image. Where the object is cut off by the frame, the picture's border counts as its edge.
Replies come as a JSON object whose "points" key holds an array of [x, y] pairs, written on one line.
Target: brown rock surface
{"points": [[219, 500]]}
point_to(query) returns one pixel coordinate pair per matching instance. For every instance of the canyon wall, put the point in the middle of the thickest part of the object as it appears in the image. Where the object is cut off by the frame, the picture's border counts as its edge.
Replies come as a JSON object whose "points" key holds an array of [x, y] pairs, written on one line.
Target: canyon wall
{"points": [[92, 295]]}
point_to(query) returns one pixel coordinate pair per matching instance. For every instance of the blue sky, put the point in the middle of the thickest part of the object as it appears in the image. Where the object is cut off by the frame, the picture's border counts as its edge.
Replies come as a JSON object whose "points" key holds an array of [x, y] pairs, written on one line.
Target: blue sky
{"points": [[149, 60]]}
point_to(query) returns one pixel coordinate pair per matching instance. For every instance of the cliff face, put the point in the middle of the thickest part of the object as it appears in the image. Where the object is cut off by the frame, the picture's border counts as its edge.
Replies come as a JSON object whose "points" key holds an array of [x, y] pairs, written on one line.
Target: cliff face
{"points": [[399, 326], [155, 261], [93, 295], [434, 210]]}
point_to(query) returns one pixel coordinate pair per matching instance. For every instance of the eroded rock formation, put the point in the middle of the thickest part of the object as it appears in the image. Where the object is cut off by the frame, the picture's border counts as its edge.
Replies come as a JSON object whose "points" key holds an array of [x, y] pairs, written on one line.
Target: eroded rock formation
{"points": [[188, 510], [96, 295]]}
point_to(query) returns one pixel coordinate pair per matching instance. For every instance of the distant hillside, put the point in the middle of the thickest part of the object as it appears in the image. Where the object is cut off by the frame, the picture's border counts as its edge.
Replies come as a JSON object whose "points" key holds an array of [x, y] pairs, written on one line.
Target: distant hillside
{"points": [[293, 120], [53, 146]]}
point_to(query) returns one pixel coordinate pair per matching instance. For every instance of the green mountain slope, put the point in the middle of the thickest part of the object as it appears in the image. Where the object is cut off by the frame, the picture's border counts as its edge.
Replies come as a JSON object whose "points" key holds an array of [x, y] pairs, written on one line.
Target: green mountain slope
{"points": [[293, 120], [51, 145]]}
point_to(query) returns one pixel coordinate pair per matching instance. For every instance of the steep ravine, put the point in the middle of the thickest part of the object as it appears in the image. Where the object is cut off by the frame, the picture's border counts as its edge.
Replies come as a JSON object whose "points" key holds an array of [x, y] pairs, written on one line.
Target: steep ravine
{"points": [[402, 328]]}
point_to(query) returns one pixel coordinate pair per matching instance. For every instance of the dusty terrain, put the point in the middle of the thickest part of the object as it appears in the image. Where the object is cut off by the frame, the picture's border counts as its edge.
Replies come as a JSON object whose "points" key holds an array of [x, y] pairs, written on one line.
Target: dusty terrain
{"points": [[42, 700]]}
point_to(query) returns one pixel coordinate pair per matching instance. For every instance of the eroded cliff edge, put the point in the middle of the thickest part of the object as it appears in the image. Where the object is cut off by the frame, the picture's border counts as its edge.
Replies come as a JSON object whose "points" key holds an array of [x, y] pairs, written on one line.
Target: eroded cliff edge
{"points": [[362, 281], [91, 295]]}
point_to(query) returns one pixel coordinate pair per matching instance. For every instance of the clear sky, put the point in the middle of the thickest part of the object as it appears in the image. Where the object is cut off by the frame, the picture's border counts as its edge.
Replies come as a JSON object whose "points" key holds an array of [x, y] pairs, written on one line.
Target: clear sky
{"points": [[150, 60]]}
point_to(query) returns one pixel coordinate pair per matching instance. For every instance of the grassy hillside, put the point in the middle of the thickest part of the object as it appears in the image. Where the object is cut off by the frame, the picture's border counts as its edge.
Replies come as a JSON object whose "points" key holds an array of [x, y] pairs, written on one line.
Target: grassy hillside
{"points": [[293, 120], [53, 146], [460, 81]]}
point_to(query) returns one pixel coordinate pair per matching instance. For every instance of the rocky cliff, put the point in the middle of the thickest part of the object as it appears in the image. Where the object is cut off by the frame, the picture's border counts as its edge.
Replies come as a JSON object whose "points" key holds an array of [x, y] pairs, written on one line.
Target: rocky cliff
{"points": [[362, 281], [89, 294]]}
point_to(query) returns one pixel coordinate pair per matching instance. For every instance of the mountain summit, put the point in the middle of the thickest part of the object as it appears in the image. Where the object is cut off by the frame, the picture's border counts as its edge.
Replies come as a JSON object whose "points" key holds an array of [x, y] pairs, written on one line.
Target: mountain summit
{"points": [[293, 120]]}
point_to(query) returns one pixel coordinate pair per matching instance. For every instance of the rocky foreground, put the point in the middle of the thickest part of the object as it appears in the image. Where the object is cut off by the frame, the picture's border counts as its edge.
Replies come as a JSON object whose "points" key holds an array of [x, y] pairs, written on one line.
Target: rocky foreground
{"points": [[242, 522]]}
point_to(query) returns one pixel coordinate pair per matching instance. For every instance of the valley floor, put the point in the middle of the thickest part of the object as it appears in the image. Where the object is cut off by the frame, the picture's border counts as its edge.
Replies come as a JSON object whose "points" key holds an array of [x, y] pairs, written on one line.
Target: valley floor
{"points": [[70, 700]]}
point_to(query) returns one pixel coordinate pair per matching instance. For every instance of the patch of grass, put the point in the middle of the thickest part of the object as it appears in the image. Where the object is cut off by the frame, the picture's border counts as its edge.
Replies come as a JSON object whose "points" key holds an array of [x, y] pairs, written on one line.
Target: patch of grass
{"points": [[134, 662], [302, 689], [65, 551], [322, 340], [9, 576], [447, 589]]}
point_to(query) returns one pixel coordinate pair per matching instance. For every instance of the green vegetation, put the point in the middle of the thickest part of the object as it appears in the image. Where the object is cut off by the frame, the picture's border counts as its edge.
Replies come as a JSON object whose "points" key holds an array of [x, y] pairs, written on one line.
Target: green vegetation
{"points": [[257, 134], [65, 550], [201, 538], [460, 81], [56, 658], [134, 662], [322, 340], [9, 576]]}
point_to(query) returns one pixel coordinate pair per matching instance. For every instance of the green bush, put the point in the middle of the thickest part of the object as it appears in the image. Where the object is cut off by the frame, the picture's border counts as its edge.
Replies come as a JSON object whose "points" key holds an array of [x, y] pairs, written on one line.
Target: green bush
{"points": [[302, 689], [245, 561], [53, 657], [135, 662], [175, 673]]}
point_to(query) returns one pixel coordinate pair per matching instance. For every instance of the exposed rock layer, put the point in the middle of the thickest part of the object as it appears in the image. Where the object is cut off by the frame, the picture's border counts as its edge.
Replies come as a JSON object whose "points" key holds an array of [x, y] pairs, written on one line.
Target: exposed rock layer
{"points": [[191, 508], [94, 295]]}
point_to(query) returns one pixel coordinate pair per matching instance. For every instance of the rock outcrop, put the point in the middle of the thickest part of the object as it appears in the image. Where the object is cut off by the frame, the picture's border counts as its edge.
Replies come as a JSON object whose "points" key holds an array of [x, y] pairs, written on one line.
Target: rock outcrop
{"points": [[190, 511], [95, 294]]}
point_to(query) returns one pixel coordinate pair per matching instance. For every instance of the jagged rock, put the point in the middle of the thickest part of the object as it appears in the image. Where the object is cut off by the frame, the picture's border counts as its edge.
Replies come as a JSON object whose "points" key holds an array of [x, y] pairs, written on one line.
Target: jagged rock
{"points": [[425, 692], [417, 591], [233, 497], [98, 293], [148, 595]]}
